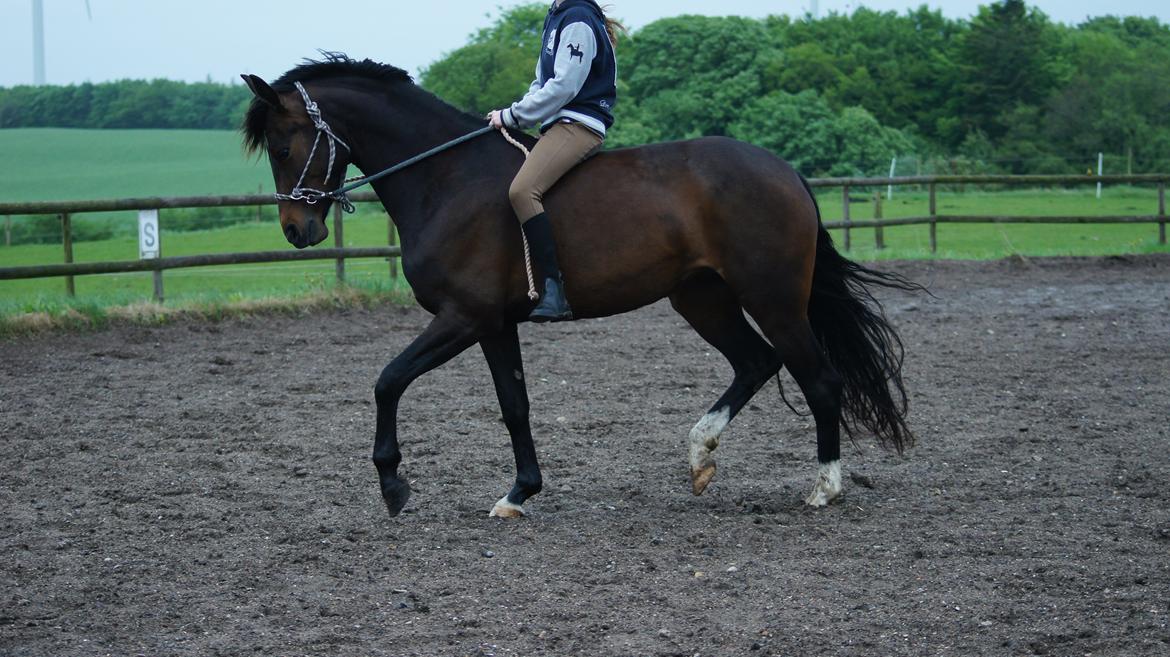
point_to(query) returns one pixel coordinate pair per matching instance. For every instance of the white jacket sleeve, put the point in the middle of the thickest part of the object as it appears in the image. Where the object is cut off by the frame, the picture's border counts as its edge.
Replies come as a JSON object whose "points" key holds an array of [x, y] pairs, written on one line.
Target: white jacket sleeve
{"points": [[571, 68], [535, 86]]}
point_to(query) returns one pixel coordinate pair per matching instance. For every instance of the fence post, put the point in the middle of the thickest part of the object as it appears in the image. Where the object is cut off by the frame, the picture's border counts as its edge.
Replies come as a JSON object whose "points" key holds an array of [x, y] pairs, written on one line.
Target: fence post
{"points": [[933, 221], [1100, 172], [7, 230], [339, 241], [879, 235], [67, 241], [893, 170], [845, 214], [150, 246], [393, 240], [159, 297], [1161, 213]]}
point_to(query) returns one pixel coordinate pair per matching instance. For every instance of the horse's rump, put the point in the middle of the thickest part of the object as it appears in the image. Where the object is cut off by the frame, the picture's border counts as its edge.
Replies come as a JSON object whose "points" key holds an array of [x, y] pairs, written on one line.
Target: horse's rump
{"points": [[651, 216]]}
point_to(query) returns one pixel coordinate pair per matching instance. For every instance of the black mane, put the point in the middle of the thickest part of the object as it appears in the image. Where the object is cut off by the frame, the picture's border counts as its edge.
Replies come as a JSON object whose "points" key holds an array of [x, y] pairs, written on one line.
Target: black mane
{"points": [[335, 65], [340, 65]]}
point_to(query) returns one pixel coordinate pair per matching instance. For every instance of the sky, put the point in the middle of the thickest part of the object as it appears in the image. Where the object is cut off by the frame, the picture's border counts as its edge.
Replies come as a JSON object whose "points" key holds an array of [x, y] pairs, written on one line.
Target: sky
{"points": [[198, 40]]}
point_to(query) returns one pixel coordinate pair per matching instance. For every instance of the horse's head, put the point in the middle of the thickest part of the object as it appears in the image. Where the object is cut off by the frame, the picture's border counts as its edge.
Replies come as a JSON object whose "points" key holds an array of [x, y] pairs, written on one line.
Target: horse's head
{"points": [[305, 158]]}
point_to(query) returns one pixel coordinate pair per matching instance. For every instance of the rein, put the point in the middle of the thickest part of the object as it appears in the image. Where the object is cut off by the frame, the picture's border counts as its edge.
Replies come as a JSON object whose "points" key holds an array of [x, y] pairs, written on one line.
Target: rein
{"points": [[354, 183], [340, 196]]}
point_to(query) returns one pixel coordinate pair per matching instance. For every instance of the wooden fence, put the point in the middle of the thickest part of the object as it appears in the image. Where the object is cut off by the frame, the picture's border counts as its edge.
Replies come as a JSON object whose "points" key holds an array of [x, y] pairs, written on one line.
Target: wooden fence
{"points": [[66, 209], [933, 219]]}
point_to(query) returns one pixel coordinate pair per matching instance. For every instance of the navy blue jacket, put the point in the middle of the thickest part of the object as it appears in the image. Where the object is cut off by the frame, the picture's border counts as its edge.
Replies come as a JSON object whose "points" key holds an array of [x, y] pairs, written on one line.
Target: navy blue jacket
{"points": [[576, 75]]}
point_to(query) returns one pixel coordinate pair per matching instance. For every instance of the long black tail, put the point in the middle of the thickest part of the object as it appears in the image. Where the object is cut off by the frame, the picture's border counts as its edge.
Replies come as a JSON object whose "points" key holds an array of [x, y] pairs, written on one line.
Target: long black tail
{"points": [[860, 342]]}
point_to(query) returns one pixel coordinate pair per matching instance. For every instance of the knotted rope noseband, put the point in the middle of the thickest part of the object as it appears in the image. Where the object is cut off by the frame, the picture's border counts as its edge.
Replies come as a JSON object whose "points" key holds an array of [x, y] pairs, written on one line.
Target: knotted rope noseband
{"points": [[308, 194], [311, 196]]}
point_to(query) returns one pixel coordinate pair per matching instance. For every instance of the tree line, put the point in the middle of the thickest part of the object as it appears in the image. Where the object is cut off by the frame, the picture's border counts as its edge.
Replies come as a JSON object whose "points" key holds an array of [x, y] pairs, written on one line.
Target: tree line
{"points": [[164, 104], [1006, 90]]}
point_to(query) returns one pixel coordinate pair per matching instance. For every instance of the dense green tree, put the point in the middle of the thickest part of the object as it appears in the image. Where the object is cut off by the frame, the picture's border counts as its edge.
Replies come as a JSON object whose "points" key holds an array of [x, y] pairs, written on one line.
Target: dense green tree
{"points": [[805, 66], [497, 65], [797, 127], [690, 75], [1119, 97], [125, 104], [1009, 57], [806, 131], [899, 67], [864, 145]]}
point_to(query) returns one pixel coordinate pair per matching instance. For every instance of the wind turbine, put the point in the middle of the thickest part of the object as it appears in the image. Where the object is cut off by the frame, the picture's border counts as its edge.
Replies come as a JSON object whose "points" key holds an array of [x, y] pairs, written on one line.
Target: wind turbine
{"points": [[38, 12]]}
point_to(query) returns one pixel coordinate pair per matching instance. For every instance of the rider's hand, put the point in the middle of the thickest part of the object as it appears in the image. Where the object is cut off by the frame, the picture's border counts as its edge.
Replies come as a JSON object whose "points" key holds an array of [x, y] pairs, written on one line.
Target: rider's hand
{"points": [[496, 119]]}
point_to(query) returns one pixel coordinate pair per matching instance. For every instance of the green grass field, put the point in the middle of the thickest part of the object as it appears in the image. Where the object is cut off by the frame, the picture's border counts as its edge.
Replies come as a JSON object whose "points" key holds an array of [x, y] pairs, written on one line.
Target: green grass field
{"points": [[49, 164], [58, 164], [45, 164]]}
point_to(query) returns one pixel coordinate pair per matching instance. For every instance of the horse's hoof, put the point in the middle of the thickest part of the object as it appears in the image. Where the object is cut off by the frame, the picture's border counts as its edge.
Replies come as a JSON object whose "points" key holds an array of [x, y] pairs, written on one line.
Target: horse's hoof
{"points": [[828, 486], [507, 510], [702, 475], [395, 495]]}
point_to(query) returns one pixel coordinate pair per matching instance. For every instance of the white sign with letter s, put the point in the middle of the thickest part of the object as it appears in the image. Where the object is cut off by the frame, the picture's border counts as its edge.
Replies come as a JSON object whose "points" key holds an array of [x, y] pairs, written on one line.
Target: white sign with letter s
{"points": [[149, 240]]}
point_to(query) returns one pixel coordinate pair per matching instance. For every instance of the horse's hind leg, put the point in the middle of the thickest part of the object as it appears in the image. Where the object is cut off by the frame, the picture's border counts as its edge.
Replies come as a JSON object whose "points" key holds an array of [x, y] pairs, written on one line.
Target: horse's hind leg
{"points": [[710, 307], [792, 335]]}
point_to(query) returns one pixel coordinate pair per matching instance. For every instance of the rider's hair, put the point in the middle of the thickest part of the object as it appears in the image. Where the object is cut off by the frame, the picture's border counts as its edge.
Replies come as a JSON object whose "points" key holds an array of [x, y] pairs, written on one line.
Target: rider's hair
{"points": [[613, 27]]}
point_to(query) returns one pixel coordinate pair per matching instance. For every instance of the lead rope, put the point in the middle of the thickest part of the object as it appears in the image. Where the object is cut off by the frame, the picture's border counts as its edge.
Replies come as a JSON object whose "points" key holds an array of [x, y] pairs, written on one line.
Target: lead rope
{"points": [[532, 295]]}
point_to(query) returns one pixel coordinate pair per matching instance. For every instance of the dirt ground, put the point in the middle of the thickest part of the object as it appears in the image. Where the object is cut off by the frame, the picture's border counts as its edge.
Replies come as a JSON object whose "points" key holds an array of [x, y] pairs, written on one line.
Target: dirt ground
{"points": [[207, 490]]}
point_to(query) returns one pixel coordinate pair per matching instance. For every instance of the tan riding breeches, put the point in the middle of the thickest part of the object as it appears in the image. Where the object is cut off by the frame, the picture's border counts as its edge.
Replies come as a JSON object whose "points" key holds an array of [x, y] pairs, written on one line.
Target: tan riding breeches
{"points": [[559, 149]]}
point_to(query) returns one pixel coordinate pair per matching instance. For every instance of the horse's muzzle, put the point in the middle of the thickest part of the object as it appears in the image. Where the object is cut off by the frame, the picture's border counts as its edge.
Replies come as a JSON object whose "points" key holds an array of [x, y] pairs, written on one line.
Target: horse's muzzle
{"points": [[314, 234]]}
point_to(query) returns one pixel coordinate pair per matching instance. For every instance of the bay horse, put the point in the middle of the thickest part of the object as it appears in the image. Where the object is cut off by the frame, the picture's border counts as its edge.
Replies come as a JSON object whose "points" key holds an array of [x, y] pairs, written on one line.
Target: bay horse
{"points": [[720, 227]]}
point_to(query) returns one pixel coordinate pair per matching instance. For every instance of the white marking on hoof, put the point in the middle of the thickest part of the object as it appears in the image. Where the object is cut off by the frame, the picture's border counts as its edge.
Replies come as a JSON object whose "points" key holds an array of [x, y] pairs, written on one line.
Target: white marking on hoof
{"points": [[704, 440], [828, 485], [505, 509]]}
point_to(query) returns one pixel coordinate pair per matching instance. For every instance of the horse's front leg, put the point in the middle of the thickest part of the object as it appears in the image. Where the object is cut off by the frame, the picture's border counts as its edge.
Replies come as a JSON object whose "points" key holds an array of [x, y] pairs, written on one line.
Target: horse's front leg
{"points": [[446, 337], [502, 351]]}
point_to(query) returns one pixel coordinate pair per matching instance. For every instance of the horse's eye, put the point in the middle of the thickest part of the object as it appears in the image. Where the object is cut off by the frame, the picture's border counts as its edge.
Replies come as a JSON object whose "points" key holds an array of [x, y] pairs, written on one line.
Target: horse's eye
{"points": [[282, 154]]}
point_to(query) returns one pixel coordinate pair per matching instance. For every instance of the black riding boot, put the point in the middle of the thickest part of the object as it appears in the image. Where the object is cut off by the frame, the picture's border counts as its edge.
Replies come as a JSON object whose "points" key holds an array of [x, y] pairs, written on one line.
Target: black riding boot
{"points": [[552, 307]]}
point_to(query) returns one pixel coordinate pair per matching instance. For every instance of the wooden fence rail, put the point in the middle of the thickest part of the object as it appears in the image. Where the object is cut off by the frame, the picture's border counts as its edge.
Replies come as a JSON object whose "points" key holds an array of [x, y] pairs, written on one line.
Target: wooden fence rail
{"points": [[65, 209], [183, 262], [1036, 181], [989, 219], [153, 203]]}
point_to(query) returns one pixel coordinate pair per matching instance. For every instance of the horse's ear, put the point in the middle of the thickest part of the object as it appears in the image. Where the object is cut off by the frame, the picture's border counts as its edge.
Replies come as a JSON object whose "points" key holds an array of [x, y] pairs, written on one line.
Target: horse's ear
{"points": [[263, 91]]}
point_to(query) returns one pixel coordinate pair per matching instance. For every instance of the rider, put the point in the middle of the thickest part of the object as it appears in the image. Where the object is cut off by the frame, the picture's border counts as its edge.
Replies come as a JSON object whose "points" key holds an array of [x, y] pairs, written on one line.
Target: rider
{"points": [[572, 98]]}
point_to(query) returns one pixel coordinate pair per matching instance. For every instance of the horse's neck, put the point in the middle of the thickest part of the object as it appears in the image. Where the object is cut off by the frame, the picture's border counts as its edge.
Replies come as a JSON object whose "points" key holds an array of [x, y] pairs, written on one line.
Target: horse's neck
{"points": [[414, 195]]}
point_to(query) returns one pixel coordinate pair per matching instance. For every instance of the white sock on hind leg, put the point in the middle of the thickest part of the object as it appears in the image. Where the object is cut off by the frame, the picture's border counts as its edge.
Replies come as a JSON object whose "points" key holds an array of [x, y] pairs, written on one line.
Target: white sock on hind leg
{"points": [[705, 435], [828, 485]]}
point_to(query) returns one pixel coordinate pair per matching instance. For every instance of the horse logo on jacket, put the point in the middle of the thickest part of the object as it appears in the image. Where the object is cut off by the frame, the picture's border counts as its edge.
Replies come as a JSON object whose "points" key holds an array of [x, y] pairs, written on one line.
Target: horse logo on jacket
{"points": [[575, 51]]}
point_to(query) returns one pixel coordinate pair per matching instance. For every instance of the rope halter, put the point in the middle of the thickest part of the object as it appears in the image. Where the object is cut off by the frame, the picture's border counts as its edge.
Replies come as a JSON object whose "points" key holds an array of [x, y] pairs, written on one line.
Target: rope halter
{"points": [[308, 194]]}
